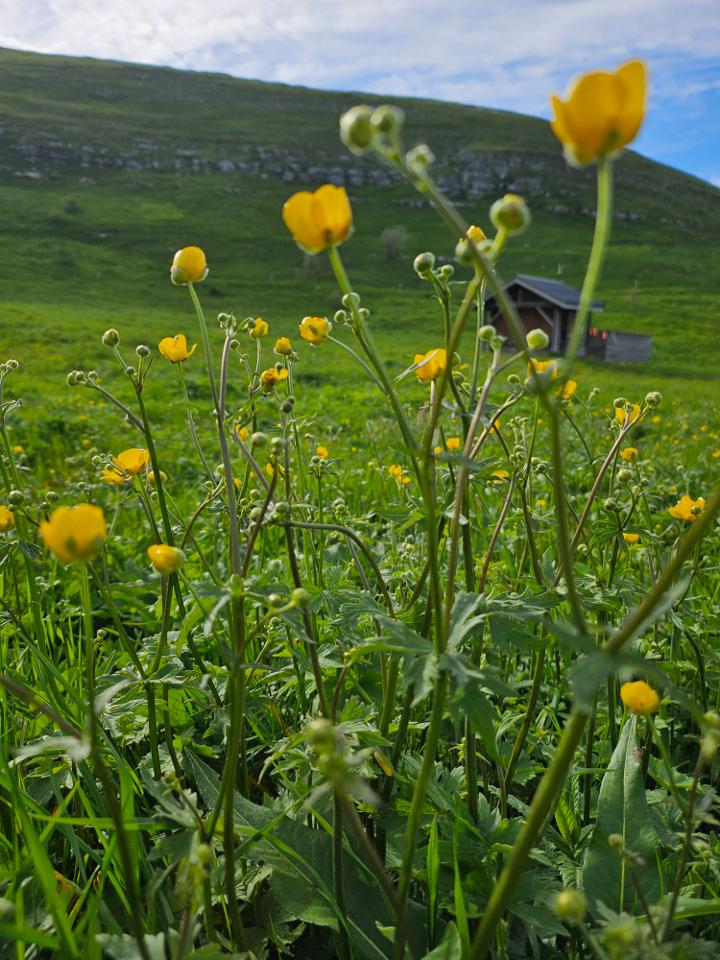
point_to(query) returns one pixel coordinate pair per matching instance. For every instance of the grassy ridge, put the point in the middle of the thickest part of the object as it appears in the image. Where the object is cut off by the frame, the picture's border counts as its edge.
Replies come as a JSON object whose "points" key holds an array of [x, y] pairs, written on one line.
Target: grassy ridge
{"points": [[107, 168]]}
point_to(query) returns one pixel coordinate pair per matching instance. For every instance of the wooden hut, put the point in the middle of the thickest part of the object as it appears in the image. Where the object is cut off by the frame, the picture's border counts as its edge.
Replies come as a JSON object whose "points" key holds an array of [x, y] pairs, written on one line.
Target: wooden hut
{"points": [[545, 304]]}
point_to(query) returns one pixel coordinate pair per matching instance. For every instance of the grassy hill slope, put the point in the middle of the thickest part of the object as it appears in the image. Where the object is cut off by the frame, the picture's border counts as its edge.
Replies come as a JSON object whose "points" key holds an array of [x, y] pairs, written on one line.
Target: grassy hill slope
{"points": [[107, 168]]}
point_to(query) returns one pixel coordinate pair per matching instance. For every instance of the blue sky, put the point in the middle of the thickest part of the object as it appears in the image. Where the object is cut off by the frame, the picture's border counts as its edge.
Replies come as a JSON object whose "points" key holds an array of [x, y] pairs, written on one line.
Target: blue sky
{"points": [[510, 55]]}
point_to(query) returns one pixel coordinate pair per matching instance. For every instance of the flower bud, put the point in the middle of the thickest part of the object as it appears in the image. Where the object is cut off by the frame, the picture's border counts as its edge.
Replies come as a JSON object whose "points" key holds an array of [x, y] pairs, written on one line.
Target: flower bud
{"points": [[386, 119], [510, 213], [189, 266], [356, 128], [166, 559], [300, 597], [16, 497], [496, 342], [423, 264], [486, 332], [616, 841], [446, 272], [654, 398], [611, 505], [537, 339], [351, 300], [619, 402], [570, 905], [111, 338], [420, 158], [513, 378], [341, 316], [259, 440], [142, 351], [712, 720], [624, 475]]}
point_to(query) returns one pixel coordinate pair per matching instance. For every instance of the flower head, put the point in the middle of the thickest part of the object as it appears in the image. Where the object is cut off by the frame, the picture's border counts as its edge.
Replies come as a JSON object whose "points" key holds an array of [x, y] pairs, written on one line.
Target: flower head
{"points": [[283, 346], [453, 443], [548, 367], [602, 113], [318, 220], [133, 460], [166, 559], [260, 328], [396, 471], [627, 416], [687, 509], [629, 453], [74, 533], [7, 519], [568, 389], [431, 364], [315, 329], [271, 377], [175, 348], [639, 697], [322, 452], [189, 266], [631, 537]]}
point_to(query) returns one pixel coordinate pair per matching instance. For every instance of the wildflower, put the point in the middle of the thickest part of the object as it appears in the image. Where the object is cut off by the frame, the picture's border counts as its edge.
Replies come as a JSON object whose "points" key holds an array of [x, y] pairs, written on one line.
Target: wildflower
{"points": [[548, 367], [715, 454], [242, 432], [74, 533], [315, 329], [453, 443], [541, 502], [639, 697], [271, 468], [259, 329], [110, 475], [318, 220], [323, 453], [133, 460], [602, 113], [626, 416], [567, 390], [404, 480], [166, 559], [657, 419], [189, 266], [430, 364], [175, 348], [476, 234], [17, 449], [396, 471], [631, 537], [7, 519], [500, 474], [629, 453], [687, 509], [283, 346], [271, 377]]}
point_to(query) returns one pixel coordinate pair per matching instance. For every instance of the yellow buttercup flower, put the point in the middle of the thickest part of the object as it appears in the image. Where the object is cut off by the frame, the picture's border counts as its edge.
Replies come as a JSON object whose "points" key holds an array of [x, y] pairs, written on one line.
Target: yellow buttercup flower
{"points": [[242, 432], [175, 348], [568, 389], [430, 364], [271, 377], [166, 559], [189, 266], [624, 416], [283, 346], [639, 697], [315, 329], [629, 453], [133, 460], [687, 509], [500, 474], [476, 234], [260, 328], [323, 453], [548, 367], [74, 533], [602, 114], [631, 537], [7, 519], [395, 471], [318, 220], [453, 443], [110, 475]]}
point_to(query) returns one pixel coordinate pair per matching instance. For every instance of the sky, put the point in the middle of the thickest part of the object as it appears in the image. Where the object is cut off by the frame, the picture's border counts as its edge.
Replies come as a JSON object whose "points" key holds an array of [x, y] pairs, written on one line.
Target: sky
{"points": [[510, 55]]}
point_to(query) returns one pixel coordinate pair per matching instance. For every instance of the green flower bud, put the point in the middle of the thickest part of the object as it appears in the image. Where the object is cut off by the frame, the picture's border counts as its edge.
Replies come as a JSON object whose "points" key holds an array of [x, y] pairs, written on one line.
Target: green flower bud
{"points": [[496, 342], [537, 339], [616, 841], [142, 351], [16, 497], [624, 476], [486, 332], [570, 905], [423, 264], [111, 338], [356, 128], [420, 158], [351, 300], [259, 440], [510, 213], [619, 402], [446, 272], [301, 598], [654, 398], [386, 119]]}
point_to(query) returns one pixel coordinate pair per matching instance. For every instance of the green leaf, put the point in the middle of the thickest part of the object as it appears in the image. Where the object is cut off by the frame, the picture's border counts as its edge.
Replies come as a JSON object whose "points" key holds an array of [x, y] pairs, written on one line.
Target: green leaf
{"points": [[125, 947], [450, 948], [623, 810]]}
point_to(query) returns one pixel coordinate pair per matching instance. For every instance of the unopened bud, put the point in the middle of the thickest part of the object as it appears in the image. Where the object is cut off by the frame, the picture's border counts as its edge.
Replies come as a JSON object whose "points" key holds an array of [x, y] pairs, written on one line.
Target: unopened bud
{"points": [[111, 338], [654, 398], [300, 597], [423, 264], [510, 213], [386, 119], [16, 497], [142, 351], [537, 339], [356, 128], [487, 332], [570, 905]]}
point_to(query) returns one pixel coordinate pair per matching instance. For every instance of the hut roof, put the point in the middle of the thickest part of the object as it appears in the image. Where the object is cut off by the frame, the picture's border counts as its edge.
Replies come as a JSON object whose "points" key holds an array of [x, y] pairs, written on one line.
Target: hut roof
{"points": [[552, 290]]}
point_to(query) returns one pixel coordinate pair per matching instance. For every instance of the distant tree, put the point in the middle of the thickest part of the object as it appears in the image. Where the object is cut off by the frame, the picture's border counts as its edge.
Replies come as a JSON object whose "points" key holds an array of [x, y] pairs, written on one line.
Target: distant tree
{"points": [[393, 240]]}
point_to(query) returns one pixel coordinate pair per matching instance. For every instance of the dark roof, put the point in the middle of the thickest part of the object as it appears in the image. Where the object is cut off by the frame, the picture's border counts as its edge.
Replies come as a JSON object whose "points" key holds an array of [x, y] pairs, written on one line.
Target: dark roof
{"points": [[553, 290]]}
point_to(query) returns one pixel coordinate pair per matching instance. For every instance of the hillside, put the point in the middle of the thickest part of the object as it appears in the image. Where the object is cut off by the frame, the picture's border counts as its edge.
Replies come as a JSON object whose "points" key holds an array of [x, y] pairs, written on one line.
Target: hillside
{"points": [[107, 168]]}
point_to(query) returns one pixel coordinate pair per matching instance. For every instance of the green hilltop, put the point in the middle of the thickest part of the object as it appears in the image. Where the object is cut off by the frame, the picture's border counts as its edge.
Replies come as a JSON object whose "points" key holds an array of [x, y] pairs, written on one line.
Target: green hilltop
{"points": [[107, 168]]}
